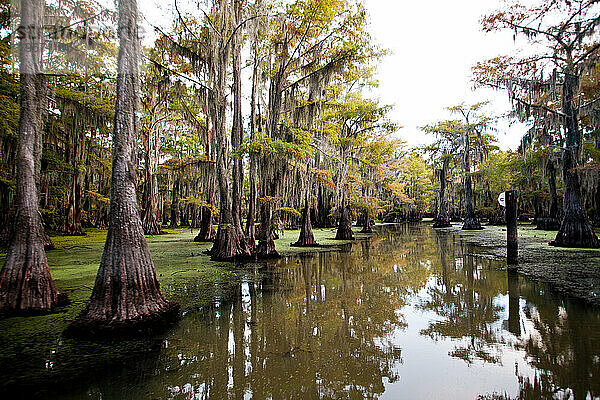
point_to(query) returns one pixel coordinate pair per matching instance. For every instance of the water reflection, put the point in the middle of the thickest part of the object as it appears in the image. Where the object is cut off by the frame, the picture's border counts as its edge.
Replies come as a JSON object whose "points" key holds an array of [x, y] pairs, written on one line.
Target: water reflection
{"points": [[514, 309], [315, 327], [411, 313], [463, 297]]}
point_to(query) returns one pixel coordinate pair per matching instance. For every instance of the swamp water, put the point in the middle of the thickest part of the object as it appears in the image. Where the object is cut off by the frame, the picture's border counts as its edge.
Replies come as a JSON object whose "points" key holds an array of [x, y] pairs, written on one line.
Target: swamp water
{"points": [[411, 313]]}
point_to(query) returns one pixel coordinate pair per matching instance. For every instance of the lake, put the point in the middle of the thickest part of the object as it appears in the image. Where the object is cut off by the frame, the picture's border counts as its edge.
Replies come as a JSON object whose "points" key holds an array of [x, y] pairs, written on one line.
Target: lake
{"points": [[411, 313]]}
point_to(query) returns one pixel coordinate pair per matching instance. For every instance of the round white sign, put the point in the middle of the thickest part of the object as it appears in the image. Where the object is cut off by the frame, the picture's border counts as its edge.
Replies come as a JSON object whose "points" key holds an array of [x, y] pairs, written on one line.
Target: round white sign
{"points": [[501, 199]]}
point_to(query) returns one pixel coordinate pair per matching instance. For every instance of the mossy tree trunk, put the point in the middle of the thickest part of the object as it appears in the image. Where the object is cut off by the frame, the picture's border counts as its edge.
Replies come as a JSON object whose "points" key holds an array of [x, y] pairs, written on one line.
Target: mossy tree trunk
{"points": [[251, 217], [269, 170], [150, 221], [367, 223], [596, 221], [442, 219], [470, 221], [575, 229], [175, 201], [126, 295], [306, 238], [230, 242], [25, 282], [550, 221], [207, 232], [237, 172], [344, 230], [266, 244], [75, 194]]}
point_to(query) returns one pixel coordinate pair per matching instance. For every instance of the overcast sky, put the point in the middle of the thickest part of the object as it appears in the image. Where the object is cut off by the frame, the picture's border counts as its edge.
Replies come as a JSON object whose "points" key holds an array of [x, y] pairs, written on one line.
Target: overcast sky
{"points": [[434, 44]]}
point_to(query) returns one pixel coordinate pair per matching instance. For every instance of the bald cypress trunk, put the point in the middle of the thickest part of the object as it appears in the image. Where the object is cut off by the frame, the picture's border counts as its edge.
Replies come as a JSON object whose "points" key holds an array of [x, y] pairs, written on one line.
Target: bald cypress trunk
{"points": [[251, 217], [442, 220], [471, 222], [367, 223], [344, 230], [575, 230], [230, 242], [550, 221], [150, 221], [75, 198], [175, 202], [266, 244], [25, 282], [306, 238], [126, 296], [237, 129], [596, 222], [270, 173], [207, 232], [597, 202]]}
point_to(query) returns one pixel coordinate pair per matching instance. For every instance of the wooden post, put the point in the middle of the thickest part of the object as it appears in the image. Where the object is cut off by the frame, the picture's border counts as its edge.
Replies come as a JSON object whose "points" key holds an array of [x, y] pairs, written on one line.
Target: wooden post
{"points": [[512, 244]]}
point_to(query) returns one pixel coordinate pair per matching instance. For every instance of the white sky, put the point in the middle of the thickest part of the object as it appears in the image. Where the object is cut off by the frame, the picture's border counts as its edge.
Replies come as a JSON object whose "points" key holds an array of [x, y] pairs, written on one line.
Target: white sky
{"points": [[434, 44]]}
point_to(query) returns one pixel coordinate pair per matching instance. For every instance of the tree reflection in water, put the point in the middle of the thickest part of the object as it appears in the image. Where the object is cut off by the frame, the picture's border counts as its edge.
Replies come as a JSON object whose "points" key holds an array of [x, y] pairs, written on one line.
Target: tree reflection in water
{"points": [[317, 326], [463, 297], [559, 336], [334, 325]]}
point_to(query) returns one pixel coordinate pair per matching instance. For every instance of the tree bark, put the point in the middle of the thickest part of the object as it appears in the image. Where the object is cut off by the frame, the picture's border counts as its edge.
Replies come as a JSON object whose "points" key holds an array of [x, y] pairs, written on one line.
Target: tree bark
{"points": [[207, 232], [550, 221], [306, 238], [266, 244], [150, 221], [575, 230], [175, 202], [25, 282], [230, 242], [597, 202], [471, 222], [126, 297], [251, 217], [442, 220], [367, 223], [596, 222], [237, 129], [344, 230], [72, 224]]}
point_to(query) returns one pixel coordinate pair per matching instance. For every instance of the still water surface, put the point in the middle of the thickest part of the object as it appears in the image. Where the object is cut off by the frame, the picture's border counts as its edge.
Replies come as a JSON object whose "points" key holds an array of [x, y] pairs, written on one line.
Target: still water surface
{"points": [[411, 313]]}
